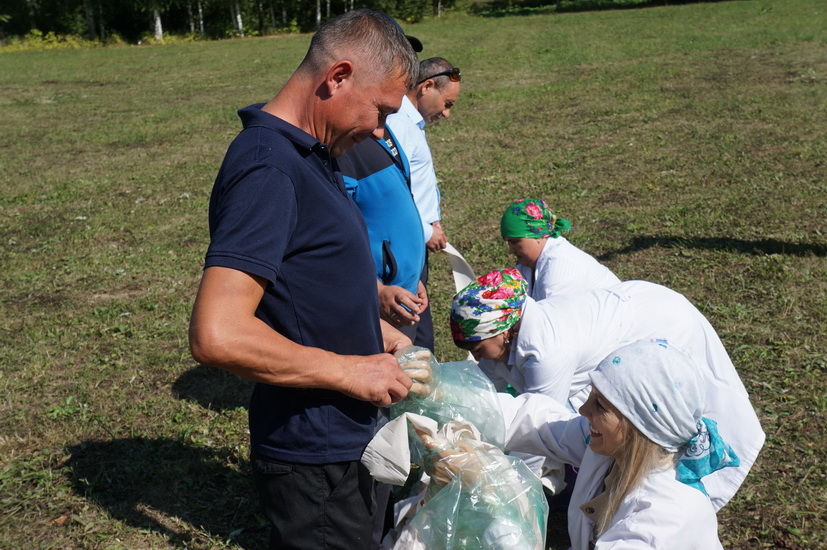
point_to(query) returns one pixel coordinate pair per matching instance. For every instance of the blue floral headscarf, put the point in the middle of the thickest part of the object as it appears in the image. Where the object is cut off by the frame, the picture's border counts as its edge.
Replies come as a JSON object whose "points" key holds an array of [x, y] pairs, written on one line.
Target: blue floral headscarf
{"points": [[488, 306]]}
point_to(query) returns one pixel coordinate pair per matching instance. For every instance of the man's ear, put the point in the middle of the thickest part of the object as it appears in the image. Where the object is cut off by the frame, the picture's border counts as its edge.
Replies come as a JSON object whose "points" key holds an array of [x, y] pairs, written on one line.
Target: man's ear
{"points": [[339, 74], [425, 87]]}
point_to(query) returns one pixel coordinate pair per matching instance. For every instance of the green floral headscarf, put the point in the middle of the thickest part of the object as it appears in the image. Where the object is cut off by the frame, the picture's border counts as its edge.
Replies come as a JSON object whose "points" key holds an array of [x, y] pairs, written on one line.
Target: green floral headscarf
{"points": [[532, 219]]}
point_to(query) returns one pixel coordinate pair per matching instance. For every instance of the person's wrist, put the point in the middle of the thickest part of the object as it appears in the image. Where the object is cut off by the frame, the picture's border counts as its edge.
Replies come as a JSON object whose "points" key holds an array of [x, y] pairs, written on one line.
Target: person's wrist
{"points": [[339, 376]]}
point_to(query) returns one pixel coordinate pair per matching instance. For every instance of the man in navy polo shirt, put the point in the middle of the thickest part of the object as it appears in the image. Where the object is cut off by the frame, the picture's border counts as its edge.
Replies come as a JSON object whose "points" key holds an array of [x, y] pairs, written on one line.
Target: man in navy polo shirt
{"points": [[288, 295]]}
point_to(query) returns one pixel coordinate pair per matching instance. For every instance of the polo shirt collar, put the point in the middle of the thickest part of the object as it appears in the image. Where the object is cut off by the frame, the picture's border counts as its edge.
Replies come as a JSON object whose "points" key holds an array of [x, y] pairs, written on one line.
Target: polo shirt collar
{"points": [[407, 108], [252, 116]]}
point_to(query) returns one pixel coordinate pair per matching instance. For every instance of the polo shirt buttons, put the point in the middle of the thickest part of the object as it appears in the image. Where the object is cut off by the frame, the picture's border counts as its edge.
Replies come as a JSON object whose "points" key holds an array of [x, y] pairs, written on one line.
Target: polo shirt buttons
{"points": [[589, 510]]}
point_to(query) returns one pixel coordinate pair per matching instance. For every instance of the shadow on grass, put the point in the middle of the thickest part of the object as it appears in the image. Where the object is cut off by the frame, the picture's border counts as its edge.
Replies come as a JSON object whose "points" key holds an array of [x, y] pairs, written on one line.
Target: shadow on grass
{"points": [[758, 247], [213, 388], [157, 484]]}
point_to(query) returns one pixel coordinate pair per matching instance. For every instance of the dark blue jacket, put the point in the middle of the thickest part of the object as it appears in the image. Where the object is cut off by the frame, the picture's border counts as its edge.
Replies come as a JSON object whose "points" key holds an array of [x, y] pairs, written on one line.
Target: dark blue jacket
{"points": [[377, 176]]}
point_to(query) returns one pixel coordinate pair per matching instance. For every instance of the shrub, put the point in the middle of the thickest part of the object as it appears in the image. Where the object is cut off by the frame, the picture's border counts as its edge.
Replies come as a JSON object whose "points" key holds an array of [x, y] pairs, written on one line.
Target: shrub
{"points": [[36, 40], [115, 39], [169, 38]]}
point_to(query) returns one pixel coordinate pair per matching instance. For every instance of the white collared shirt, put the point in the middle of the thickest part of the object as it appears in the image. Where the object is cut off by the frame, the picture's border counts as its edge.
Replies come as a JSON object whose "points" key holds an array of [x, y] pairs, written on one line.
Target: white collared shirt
{"points": [[408, 127]]}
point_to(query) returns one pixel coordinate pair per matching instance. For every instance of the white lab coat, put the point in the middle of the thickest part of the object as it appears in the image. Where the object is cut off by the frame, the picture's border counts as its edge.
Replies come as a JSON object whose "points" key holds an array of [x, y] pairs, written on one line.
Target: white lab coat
{"points": [[562, 339], [661, 513], [562, 268]]}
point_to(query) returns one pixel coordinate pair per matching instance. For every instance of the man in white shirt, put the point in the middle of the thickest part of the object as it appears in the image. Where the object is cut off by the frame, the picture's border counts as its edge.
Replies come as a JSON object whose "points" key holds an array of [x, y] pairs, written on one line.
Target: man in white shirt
{"points": [[431, 99]]}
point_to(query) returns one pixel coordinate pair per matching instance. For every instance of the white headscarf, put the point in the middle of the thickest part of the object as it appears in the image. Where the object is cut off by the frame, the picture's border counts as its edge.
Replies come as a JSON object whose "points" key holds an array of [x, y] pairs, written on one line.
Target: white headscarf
{"points": [[656, 387]]}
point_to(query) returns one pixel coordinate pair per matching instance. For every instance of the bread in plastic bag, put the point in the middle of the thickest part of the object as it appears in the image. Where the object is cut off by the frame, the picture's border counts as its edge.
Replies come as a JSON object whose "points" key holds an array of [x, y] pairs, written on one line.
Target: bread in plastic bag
{"points": [[453, 391], [478, 498]]}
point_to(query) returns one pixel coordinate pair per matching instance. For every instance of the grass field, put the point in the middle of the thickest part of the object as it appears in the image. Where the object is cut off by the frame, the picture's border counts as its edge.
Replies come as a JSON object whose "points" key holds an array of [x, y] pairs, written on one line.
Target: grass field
{"points": [[687, 145]]}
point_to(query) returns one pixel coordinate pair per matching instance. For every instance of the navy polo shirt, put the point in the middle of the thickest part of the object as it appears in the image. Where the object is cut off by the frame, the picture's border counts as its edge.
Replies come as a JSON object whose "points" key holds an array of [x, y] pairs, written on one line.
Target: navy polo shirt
{"points": [[279, 210]]}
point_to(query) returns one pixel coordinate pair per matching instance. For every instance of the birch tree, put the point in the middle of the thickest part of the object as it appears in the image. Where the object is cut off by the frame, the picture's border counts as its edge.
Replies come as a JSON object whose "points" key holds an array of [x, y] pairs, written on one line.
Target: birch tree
{"points": [[235, 13], [200, 9], [190, 18], [154, 7], [159, 29]]}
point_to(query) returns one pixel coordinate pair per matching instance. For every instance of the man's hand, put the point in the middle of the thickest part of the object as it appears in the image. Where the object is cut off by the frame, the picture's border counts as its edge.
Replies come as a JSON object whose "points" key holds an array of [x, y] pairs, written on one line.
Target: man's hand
{"points": [[393, 301], [375, 378], [438, 240], [422, 294], [392, 339]]}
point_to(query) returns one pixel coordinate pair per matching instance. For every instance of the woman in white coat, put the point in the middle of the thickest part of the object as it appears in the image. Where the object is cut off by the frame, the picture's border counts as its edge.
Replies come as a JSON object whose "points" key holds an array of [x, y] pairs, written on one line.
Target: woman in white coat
{"points": [[550, 264], [642, 446], [551, 346]]}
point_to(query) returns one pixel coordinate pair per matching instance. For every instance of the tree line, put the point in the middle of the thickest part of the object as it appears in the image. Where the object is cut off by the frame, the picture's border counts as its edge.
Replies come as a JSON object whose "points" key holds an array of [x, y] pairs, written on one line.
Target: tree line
{"points": [[136, 20], [133, 20]]}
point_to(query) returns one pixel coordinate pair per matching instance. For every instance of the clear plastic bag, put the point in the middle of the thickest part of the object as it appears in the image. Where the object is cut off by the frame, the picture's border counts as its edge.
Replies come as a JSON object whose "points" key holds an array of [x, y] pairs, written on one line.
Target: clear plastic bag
{"points": [[454, 391], [478, 498]]}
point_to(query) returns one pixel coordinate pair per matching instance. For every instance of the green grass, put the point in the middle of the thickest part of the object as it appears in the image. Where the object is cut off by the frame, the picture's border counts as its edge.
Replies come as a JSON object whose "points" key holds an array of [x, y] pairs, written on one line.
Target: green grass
{"points": [[686, 144]]}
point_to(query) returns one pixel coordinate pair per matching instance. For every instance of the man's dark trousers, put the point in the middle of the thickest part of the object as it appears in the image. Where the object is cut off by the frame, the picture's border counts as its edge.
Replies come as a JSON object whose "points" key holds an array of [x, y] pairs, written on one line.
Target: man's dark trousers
{"points": [[425, 327], [331, 505]]}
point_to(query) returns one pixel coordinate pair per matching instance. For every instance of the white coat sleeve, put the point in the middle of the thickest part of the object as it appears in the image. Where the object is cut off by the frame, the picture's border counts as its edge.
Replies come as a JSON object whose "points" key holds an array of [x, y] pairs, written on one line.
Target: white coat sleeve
{"points": [[545, 372], [538, 425]]}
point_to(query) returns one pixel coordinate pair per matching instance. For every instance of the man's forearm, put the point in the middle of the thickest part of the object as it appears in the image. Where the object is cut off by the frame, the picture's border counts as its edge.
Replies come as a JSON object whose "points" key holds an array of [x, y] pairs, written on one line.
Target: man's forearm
{"points": [[224, 332], [254, 351]]}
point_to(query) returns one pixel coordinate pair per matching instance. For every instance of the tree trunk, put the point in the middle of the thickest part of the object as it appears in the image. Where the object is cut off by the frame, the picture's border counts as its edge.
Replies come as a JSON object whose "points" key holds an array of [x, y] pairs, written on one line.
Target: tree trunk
{"points": [[101, 28], [190, 18], [90, 19], [328, 9], [239, 24], [200, 17], [438, 8], [318, 13], [159, 30], [30, 10]]}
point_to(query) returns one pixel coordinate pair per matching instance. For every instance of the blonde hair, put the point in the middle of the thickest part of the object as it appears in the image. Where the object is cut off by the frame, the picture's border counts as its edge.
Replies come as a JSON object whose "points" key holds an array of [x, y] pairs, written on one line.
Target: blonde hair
{"points": [[639, 456]]}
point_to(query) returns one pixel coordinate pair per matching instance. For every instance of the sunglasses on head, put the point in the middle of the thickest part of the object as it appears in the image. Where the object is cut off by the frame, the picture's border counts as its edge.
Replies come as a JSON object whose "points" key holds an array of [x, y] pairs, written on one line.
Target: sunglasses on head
{"points": [[453, 75]]}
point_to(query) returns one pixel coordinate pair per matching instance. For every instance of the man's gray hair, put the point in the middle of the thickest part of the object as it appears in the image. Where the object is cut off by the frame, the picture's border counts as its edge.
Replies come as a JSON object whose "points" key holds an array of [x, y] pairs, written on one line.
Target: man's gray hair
{"points": [[372, 35], [432, 66]]}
